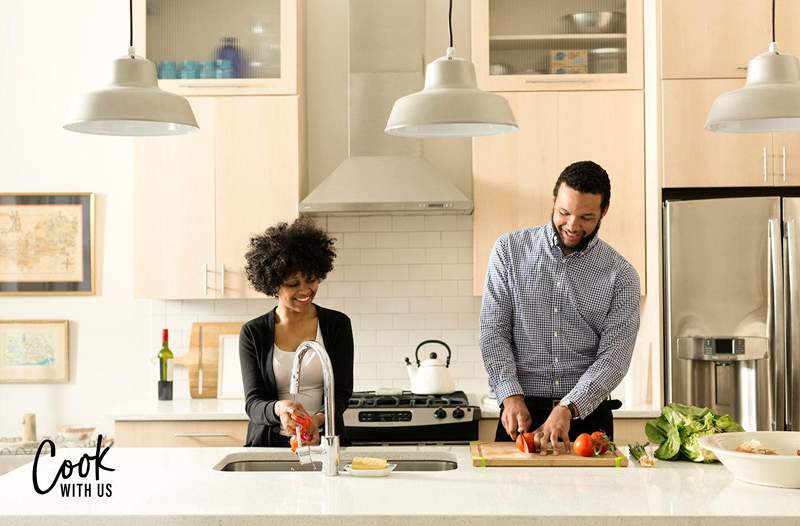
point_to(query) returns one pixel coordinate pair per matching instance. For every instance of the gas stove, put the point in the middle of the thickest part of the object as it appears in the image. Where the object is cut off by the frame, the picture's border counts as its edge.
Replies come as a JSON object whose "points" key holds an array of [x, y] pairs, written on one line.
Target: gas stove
{"points": [[402, 417]]}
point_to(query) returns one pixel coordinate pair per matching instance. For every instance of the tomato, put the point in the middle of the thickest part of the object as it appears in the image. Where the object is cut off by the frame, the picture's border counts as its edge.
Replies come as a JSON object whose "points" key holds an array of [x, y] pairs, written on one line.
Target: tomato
{"points": [[601, 442], [525, 443], [583, 445], [305, 423]]}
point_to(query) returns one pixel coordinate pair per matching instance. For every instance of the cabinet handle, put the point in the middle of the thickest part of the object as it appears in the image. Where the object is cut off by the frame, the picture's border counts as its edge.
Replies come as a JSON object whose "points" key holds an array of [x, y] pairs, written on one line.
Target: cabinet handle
{"points": [[202, 435], [764, 157], [205, 280], [222, 280], [783, 153], [214, 85], [557, 81], [742, 67]]}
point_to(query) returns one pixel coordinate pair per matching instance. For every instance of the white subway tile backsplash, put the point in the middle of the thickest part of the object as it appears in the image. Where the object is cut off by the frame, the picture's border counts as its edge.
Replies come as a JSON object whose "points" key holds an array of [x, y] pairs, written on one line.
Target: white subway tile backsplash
{"points": [[358, 240], [425, 272], [441, 223], [442, 255], [392, 240], [375, 223], [376, 289], [393, 305], [376, 256], [401, 279], [460, 238], [441, 288], [410, 255], [424, 239], [408, 223], [343, 224]]}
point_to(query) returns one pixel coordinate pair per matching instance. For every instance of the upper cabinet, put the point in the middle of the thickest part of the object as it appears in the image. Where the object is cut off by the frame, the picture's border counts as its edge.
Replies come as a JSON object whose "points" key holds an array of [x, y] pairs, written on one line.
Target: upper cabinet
{"points": [[236, 47], [558, 45]]}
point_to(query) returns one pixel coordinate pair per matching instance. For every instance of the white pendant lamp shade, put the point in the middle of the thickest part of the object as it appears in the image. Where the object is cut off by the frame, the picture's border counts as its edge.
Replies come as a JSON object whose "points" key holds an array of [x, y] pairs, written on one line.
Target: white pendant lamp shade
{"points": [[768, 102], [132, 105], [450, 105]]}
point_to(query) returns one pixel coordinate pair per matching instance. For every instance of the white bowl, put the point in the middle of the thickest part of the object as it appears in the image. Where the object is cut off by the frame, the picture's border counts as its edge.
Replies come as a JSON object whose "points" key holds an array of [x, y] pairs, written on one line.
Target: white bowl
{"points": [[781, 470]]}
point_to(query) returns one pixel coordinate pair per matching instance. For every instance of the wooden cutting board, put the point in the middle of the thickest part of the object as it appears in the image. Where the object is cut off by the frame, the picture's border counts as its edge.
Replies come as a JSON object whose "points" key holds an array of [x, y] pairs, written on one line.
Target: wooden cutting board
{"points": [[506, 454], [204, 355]]}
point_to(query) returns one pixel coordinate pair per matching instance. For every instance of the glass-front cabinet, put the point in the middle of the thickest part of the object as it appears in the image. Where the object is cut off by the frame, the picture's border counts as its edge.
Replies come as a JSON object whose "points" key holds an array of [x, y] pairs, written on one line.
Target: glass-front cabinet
{"points": [[532, 45], [213, 47]]}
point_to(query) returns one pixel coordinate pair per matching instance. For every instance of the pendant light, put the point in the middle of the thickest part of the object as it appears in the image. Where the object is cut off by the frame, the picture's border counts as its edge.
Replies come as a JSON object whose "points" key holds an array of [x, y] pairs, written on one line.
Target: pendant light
{"points": [[769, 100], [450, 104], [132, 104]]}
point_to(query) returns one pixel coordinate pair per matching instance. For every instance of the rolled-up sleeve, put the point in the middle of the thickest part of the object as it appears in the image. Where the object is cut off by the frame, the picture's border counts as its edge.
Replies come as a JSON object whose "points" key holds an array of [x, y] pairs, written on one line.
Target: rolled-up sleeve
{"points": [[259, 408], [615, 348], [496, 324]]}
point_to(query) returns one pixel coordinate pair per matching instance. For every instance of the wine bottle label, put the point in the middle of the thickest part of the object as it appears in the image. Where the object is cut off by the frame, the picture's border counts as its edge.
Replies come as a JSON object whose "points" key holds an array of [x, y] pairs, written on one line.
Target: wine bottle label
{"points": [[169, 370]]}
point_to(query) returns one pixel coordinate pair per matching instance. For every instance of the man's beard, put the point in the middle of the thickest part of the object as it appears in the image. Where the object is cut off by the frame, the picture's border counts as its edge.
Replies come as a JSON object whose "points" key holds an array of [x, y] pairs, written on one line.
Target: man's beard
{"points": [[582, 244]]}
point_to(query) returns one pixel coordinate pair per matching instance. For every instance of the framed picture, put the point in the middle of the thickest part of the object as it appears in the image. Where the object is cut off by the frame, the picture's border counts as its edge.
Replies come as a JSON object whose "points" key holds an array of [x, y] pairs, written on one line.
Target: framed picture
{"points": [[47, 244], [34, 351]]}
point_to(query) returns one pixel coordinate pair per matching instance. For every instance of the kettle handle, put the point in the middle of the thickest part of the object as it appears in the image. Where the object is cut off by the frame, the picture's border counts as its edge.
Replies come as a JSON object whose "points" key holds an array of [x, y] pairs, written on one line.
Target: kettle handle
{"points": [[440, 342]]}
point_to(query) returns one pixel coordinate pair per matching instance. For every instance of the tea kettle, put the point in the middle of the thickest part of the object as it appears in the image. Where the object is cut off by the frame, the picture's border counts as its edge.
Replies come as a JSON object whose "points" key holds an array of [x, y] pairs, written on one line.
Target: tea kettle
{"points": [[431, 376]]}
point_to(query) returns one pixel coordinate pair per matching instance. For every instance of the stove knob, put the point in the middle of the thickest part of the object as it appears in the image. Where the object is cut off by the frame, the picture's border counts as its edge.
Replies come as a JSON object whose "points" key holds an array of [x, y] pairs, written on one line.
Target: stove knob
{"points": [[458, 413], [439, 413]]}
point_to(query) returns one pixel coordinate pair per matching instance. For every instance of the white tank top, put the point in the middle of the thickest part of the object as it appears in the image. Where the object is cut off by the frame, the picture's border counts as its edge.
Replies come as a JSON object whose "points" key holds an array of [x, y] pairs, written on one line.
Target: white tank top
{"points": [[310, 389]]}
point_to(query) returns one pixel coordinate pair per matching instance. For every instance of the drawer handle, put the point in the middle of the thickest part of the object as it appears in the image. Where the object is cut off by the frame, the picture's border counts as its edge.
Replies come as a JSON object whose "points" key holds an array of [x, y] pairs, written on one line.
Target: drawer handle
{"points": [[214, 85], [201, 435], [557, 81]]}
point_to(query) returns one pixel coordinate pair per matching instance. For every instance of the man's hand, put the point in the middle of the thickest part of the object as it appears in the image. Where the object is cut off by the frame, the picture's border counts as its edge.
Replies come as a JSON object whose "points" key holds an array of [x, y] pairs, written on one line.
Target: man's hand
{"points": [[555, 428], [516, 418]]}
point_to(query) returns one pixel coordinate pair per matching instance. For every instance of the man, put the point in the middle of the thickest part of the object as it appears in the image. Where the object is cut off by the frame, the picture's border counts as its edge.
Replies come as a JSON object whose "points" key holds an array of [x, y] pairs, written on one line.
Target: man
{"points": [[559, 317]]}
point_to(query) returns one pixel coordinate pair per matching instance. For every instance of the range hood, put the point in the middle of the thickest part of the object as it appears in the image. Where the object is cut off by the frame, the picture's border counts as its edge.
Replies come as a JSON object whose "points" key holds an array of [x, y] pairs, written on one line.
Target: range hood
{"points": [[385, 184], [383, 174]]}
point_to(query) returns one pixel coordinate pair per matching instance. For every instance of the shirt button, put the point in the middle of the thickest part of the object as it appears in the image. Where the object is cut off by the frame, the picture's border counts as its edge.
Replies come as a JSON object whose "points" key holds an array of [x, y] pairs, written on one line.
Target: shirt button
{"points": [[556, 382], [558, 283], [555, 360], [555, 333], [555, 309]]}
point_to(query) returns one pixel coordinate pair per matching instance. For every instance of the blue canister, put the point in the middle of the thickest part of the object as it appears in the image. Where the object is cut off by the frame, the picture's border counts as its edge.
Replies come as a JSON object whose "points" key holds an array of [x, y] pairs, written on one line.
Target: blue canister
{"points": [[229, 50], [189, 69], [167, 69], [224, 69], [208, 70]]}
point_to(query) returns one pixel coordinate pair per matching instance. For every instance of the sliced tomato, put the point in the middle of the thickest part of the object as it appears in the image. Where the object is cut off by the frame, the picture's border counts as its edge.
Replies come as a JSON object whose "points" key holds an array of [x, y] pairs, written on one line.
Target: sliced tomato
{"points": [[584, 445], [525, 442], [601, 442]]}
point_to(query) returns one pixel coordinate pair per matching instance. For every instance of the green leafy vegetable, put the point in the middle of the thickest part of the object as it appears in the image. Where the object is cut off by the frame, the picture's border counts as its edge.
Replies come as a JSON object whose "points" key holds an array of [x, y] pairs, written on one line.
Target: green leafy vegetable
{"points": [[679, 428]]}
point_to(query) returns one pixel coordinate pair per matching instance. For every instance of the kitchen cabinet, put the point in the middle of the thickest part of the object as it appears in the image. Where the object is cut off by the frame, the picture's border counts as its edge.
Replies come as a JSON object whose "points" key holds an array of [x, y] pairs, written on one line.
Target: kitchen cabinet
{"points": [[717, 38], [259, 44], [199, 197], [534, 45], [182, 433], [514, 174], [695, 157]]}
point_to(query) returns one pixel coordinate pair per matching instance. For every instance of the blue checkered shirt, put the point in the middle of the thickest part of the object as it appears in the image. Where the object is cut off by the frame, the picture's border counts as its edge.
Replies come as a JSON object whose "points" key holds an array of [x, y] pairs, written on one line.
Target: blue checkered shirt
{"points": [[555, 325]]}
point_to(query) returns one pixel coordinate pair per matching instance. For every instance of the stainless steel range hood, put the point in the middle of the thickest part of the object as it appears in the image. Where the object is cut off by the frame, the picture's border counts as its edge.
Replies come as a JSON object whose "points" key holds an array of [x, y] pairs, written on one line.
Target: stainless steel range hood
{"points": [[384, 174]]}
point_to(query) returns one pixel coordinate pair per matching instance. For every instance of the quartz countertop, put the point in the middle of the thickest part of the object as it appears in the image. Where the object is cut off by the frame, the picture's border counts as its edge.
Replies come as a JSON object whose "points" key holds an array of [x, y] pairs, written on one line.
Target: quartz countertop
{"points": [[233, 409], [169, 486]]}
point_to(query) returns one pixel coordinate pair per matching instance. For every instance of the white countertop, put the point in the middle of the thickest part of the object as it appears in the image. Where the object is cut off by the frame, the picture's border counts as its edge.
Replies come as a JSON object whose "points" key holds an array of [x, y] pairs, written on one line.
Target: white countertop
{"points": [[157, 485], [218, 409]]}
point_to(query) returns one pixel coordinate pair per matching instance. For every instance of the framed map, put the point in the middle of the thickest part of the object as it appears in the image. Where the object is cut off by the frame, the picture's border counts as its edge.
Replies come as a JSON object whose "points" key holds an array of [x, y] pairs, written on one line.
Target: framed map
{"points": [[46, 244], [34, 351]]}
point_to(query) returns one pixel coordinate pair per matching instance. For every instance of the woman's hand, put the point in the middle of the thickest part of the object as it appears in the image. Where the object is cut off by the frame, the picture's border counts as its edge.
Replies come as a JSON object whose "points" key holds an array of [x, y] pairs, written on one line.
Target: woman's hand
{"points": [[284, 409]]}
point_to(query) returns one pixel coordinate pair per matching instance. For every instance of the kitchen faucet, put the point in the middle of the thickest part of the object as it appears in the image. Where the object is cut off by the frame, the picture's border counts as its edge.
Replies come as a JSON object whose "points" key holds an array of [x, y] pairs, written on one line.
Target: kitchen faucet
{"points": [[329, 441]]}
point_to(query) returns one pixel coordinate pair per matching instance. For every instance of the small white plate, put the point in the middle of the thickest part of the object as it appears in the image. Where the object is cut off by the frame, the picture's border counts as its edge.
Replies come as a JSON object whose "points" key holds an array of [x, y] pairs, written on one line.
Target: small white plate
{"points": [[369, 472]]}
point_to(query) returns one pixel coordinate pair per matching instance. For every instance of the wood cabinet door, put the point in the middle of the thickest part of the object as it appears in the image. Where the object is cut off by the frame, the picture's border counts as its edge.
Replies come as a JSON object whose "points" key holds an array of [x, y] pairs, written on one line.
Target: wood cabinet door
{"points": [[608, 128], [180, 433], [174, 211], [513, 176], [714, 38], [257, 179], [695, 157]]}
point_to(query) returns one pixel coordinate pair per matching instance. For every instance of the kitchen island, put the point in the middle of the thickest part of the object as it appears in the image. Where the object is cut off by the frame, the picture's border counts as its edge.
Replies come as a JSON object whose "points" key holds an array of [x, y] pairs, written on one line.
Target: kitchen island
{"points": [[168, 486]]}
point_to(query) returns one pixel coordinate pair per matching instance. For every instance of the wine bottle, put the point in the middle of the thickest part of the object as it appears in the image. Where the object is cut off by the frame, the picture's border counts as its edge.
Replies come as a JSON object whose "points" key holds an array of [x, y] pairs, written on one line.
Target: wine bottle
{"points": [[165, 357]]}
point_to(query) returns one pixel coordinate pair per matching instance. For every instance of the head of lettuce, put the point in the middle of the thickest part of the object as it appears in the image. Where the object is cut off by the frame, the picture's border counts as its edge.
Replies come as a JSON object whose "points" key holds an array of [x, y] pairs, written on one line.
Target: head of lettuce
{"points": [[679, 428]]}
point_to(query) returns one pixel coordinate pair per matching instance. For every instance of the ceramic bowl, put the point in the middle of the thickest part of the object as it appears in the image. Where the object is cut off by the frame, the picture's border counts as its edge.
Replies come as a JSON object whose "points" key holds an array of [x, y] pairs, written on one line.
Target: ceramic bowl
{"points": [[76, 433], [781, 470]]}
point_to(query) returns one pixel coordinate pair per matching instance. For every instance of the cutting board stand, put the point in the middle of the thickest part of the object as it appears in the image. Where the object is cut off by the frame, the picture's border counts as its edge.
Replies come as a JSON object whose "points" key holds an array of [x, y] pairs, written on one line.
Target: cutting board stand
{"points": [[506, 454]]}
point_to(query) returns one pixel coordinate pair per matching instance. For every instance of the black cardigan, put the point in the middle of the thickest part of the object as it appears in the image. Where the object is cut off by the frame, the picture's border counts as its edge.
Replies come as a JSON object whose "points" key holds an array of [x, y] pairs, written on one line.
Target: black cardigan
{"points": [[256, 341]]}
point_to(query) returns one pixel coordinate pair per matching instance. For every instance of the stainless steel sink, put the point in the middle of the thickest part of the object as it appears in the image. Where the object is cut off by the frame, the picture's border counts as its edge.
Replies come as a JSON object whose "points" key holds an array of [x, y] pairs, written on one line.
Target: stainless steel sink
{"points": [[294, 465]]}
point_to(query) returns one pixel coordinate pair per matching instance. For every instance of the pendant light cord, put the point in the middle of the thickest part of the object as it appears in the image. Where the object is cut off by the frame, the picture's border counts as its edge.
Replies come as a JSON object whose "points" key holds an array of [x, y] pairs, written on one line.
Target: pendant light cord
{"points": [[450, 20], [773, 20], [130, 22]]}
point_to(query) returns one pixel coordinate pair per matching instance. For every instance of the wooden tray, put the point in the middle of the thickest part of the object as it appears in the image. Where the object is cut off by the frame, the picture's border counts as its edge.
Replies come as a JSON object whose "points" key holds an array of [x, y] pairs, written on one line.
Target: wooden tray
{"points": [[205, 338], [506, 454]]}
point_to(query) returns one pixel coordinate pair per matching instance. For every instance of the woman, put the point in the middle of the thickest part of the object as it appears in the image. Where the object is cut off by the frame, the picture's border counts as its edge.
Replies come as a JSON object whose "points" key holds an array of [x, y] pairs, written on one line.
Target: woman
{"points": [[289, 262]]}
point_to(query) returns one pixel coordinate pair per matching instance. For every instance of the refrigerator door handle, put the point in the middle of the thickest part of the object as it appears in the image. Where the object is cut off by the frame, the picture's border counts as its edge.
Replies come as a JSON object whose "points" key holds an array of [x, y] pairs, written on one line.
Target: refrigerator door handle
{"points": [[793, 326], [777, 327]]}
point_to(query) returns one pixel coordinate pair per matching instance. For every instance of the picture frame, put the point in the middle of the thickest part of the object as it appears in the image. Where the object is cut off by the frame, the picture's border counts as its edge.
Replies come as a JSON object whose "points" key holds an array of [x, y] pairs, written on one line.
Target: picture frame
{"points": [[34, 351], [47, 244]]}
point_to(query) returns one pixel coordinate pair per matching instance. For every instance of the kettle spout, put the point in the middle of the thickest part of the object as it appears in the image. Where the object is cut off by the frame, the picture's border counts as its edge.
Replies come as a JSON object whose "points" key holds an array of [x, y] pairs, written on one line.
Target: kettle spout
{"points": [[412, 372]]}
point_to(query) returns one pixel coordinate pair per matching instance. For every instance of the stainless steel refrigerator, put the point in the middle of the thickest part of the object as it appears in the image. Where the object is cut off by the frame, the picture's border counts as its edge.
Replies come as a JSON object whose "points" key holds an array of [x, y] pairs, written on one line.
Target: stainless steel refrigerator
{"points": [[732, 293]]}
